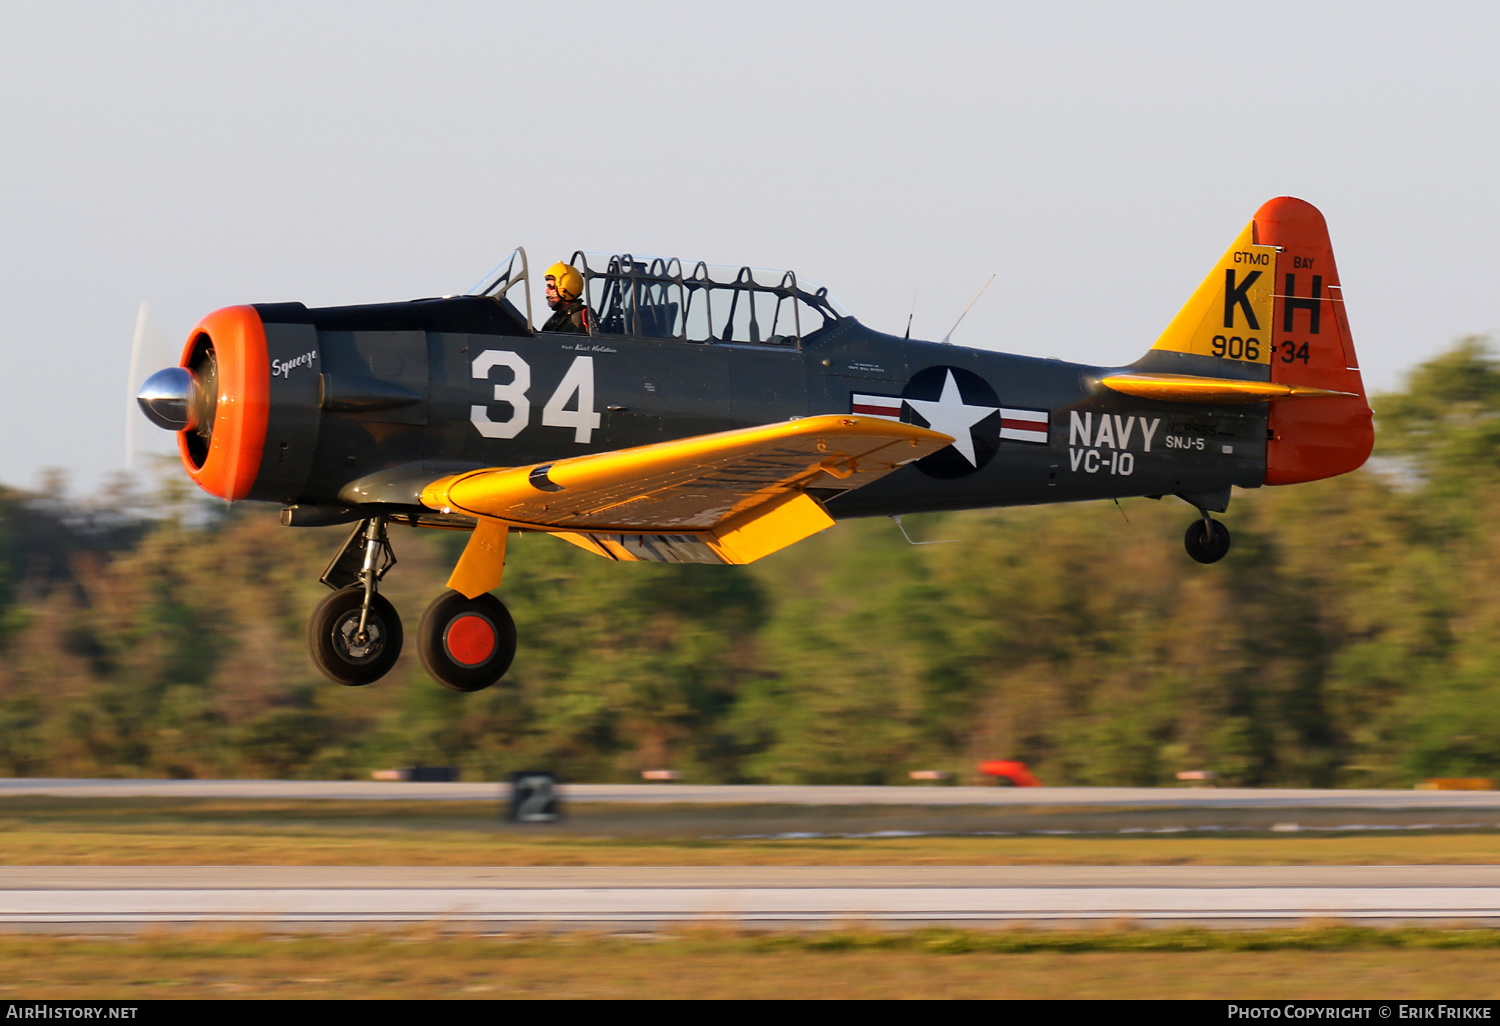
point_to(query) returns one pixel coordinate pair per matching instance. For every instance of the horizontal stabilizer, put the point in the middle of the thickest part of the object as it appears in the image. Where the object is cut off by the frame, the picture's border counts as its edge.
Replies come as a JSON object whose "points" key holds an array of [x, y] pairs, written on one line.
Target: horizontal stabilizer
{"points": [[1188, 388]]}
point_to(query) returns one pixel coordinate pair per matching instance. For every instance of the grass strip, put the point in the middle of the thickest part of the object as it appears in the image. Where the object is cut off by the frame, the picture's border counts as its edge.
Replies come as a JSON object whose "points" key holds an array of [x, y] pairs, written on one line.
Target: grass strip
{"points": [[269, 844], [1327, 961], [209, 943], [1333, 937]]}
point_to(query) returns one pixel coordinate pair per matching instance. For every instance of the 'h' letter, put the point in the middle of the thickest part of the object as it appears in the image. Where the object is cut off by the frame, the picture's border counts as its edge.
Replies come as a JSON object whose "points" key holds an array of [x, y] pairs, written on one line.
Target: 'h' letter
{"points": [[1291, 303]]}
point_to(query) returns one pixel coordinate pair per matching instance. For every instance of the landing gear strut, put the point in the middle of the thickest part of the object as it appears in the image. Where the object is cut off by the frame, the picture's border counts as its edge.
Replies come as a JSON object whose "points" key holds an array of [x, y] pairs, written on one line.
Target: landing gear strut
{"points": [[1207, 540], [355, 634], [466, 644]]}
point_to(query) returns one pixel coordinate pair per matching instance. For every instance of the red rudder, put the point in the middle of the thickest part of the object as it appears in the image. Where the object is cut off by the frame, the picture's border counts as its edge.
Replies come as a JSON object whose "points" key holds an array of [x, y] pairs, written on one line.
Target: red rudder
{"points": [[1311, 438]]}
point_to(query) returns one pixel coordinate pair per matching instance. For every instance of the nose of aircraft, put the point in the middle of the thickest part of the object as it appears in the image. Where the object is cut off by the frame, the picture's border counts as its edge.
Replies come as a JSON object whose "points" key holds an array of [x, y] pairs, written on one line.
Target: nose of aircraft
{"points": [[168, 399]]}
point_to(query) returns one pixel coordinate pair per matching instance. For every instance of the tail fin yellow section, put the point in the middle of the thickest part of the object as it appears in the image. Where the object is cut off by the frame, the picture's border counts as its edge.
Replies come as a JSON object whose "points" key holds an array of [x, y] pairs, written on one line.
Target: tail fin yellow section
{"points": [[1229, 316]]}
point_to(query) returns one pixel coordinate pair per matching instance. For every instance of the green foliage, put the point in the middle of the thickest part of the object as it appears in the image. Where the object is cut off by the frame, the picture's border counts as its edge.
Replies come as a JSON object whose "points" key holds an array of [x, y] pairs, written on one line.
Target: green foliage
{"points": [[1449, 415], [1349, 639]]}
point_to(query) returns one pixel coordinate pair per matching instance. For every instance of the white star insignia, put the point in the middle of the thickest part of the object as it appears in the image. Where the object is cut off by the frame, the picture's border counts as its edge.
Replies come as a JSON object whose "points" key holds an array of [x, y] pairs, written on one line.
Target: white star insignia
{"points": [[952, 416]]}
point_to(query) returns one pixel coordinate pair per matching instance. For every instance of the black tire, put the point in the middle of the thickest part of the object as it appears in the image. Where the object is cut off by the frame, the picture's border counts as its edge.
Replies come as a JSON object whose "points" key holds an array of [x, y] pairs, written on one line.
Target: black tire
{"points": [[330, 635], [480, 651], [1203, 546]]}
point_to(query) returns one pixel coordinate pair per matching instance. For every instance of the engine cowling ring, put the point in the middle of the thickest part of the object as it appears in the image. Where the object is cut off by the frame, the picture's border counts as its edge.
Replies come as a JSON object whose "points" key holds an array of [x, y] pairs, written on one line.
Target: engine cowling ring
{"points": [[227, 466]]}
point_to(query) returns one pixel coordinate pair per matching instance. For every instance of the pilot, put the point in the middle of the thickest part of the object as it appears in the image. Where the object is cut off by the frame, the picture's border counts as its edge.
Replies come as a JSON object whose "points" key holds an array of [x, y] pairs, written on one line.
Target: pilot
{"points": [[564, 286]]}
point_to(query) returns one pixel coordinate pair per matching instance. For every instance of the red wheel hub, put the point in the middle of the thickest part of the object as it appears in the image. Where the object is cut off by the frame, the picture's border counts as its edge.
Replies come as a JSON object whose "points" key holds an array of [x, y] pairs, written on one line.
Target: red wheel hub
{"points": [[470, 639]]}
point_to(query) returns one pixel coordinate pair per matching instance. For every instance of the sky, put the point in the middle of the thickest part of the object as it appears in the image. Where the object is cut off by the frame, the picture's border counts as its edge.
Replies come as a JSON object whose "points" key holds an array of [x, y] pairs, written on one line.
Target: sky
{"points": [[1096, 157]]}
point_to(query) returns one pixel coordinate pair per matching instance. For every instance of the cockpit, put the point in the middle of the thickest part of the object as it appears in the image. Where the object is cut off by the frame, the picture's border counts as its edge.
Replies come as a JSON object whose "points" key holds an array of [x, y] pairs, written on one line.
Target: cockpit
{"points": [[656, 298]]}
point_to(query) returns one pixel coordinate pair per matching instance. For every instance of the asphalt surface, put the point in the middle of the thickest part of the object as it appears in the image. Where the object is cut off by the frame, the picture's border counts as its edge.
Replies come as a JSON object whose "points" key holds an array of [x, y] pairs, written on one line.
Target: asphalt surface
{"points": [[749, 794], [116, 899]]}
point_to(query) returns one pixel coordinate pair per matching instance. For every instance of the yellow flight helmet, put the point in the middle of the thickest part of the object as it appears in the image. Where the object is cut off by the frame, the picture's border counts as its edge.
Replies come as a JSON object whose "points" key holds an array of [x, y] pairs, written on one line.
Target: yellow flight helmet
{"points": [[569, 281]]}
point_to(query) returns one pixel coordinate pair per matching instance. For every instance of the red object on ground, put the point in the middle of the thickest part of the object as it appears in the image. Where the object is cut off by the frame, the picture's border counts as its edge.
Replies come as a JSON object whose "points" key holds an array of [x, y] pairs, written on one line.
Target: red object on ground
{"points": [[1015, 772]]}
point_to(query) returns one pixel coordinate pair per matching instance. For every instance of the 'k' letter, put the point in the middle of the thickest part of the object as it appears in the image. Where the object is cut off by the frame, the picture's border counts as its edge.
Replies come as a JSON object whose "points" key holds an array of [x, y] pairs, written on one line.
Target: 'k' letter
{"points": [[1237, 297]]}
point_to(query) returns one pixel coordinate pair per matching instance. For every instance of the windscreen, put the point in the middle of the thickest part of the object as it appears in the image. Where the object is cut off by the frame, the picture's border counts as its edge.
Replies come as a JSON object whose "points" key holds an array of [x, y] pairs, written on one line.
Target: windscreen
{"points": [[507, 284], [655, 297]]}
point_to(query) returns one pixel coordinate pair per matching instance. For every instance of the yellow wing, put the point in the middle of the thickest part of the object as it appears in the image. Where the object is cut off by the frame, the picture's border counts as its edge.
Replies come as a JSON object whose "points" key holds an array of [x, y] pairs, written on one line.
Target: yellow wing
{"points": [[729, 497]]}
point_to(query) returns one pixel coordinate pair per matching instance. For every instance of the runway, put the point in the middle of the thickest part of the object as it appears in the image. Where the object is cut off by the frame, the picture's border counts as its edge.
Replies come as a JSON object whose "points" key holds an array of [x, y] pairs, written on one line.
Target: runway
{"points": [[750, 794], [124, 899]]}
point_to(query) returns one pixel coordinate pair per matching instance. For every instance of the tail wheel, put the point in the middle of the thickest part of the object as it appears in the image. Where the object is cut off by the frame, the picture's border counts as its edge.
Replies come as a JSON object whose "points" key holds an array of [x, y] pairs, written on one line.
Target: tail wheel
{"points": [[1207, 540], [466, 644], [337, 647]]}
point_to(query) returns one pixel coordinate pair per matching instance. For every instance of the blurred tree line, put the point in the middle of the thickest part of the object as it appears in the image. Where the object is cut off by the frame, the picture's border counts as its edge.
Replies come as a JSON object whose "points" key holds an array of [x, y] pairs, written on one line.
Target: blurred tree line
{"points": [[1351, 638]]}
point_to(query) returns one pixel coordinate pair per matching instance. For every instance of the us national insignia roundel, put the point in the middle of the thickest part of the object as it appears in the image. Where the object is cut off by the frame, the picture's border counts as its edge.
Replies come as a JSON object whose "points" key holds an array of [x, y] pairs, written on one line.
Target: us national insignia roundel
{"points": [[960, 403]]}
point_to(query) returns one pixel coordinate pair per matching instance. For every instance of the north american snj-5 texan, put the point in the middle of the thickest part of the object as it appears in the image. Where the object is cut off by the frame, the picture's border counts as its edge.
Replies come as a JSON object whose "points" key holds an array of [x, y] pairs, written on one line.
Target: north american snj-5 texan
{"points": [[700, 414]]}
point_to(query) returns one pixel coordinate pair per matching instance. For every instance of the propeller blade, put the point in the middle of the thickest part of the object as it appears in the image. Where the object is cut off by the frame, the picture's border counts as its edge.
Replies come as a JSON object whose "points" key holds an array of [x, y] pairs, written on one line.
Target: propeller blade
{"points": [[131, 382], [150, 351]]}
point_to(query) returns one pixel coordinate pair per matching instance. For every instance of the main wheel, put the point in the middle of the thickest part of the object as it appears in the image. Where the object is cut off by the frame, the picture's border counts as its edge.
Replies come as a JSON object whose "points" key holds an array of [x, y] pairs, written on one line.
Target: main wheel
{"points": [[1207, 541], [466, 644], [332, 635]]}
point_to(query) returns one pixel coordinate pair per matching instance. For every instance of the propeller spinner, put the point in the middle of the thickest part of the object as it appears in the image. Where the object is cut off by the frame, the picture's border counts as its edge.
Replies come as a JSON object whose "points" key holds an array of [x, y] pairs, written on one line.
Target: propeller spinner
{"points": [[170, 398]]}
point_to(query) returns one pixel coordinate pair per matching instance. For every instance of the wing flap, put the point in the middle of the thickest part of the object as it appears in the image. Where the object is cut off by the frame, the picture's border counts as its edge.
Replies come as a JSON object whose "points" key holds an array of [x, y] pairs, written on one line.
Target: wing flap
{"points": [[758, 532]]}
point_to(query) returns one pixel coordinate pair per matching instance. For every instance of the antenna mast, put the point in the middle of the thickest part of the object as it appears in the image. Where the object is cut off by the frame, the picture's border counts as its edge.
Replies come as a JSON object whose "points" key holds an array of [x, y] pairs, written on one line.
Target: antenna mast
{"points": [[965, 313]]}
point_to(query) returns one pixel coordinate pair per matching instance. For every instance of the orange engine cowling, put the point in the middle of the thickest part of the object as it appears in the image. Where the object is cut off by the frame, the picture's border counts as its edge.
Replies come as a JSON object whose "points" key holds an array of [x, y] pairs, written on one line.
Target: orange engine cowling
{"points": [[226, 353], [1311, 438]]}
